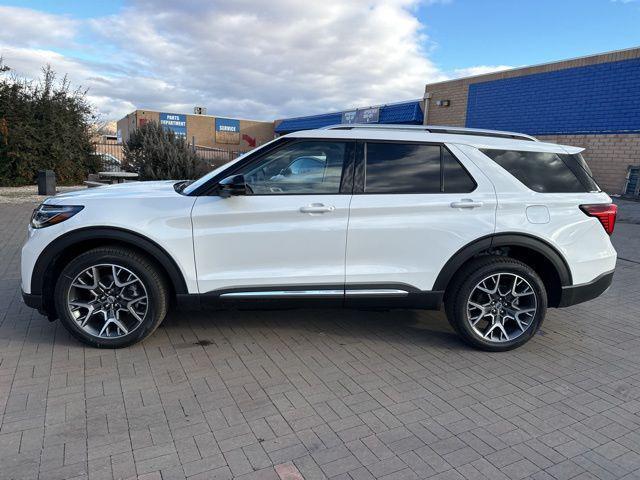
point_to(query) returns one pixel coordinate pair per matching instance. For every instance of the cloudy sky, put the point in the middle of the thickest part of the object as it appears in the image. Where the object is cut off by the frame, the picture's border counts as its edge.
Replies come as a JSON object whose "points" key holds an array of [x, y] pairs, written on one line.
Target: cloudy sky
{"points": [[268, 59]]}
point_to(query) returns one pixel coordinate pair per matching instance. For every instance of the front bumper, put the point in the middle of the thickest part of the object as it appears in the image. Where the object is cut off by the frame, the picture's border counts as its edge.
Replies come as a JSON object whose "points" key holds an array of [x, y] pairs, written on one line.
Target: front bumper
{"points": [[574, 294], [33, 301]]}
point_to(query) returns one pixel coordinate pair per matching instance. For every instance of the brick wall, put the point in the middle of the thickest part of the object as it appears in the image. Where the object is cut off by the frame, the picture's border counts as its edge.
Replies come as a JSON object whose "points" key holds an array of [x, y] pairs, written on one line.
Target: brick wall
{"points": [[202, 127], [589, 99], [456, 91], [608, 156]]}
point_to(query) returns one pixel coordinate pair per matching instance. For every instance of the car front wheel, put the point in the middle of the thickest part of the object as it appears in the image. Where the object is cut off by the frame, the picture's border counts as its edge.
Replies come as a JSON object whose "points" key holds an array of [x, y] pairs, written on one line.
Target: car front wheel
{"points": [[496, 303], [111, 297]]}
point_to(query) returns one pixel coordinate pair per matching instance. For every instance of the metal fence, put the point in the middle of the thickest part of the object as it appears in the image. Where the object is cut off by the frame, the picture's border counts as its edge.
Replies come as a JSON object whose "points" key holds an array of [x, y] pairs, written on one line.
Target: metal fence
{"points": [[112, 155], [216, 156]]}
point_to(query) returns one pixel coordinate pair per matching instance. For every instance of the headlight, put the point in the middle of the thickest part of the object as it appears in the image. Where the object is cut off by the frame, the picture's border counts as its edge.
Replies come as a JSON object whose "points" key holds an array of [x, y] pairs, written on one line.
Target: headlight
{"points": [[47, 215]]}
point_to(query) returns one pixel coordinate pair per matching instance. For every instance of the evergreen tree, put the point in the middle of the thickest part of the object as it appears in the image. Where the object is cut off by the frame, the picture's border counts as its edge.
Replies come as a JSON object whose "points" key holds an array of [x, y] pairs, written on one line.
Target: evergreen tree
{"points": [[157, 153], [44, 124]]}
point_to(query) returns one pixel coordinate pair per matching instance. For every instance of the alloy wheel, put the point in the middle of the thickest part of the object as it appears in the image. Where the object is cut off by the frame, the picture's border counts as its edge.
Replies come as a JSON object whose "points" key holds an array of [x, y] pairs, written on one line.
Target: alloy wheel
{"points": [[107, 301], [501, 307]]}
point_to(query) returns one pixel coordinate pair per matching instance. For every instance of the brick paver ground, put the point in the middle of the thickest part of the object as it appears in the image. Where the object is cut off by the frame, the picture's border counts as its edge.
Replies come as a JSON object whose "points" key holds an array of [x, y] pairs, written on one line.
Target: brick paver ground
{"points": [[322, 393]]}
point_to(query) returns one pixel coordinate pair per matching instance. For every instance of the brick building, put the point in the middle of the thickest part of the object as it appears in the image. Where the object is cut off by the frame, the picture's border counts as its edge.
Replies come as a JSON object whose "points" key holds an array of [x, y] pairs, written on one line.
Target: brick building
{"points": [[592, 102], [208, 131]]}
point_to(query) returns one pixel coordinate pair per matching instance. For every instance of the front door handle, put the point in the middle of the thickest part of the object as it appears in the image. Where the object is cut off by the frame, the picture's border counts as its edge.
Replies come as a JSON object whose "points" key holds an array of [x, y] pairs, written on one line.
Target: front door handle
{"points": [[466, 203], [317, 208]]}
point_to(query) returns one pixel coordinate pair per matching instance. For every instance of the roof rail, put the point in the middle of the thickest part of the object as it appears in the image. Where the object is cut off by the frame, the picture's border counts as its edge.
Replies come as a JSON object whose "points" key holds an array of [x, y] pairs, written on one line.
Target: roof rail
{"points": [[435, 129]]}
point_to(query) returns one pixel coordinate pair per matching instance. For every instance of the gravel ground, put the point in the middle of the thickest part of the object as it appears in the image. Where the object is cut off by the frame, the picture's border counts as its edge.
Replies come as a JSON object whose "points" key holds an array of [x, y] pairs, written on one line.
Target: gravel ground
{"points": [[28, 194]]}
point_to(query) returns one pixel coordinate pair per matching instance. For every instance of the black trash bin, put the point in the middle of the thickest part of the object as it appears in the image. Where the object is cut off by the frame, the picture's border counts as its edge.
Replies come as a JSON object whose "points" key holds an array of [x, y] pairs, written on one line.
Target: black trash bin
{"points": [[46, 182]]}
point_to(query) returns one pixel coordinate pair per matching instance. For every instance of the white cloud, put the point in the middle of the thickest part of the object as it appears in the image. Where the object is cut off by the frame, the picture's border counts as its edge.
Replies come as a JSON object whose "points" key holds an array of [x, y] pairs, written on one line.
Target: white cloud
{"points": [[479, 70], [283, 57], [27, 27], [244, 58]]}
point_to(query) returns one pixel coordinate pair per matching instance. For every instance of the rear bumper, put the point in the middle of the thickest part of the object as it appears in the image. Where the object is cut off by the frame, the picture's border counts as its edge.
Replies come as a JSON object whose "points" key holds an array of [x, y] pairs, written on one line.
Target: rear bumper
{"points": [[574, 294]]}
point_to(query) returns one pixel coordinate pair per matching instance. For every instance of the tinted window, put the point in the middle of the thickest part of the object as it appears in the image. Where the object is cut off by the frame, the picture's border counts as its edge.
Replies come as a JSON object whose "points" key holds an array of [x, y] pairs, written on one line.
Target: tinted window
{"points": [[301, 168], [542, 172], [402, 168], [581, 170], [455, 178]]}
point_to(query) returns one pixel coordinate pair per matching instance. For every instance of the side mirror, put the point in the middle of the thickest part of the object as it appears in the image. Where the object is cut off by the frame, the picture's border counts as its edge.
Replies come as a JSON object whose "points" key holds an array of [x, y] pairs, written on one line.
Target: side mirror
{"points": [[231, 186]]}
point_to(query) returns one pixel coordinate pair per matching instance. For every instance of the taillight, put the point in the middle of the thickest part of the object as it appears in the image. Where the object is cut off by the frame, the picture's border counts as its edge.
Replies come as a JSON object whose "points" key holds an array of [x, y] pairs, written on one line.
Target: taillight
{"points": [[605, 213]]}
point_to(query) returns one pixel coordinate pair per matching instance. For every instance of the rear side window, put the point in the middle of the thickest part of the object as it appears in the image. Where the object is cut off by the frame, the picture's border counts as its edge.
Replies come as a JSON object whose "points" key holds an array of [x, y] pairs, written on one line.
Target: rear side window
{"points": [[455, 178], [413, 168], [545, 172], [402, 168]]}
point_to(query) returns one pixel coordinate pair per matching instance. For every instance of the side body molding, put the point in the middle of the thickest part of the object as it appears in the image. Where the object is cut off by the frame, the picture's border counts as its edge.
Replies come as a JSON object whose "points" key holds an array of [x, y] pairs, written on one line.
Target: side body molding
{"points": [[504, 239], [90, 234]]}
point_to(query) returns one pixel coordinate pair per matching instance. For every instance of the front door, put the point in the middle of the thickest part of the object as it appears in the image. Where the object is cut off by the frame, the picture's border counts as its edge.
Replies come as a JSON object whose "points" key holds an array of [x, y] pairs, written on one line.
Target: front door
{"points": [[287, 236]]}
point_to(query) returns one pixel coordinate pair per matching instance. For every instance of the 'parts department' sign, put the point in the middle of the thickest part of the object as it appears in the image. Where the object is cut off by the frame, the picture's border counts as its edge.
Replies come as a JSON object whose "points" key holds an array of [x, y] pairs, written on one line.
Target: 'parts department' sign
{"points": [[227, 130], [175, 122]]}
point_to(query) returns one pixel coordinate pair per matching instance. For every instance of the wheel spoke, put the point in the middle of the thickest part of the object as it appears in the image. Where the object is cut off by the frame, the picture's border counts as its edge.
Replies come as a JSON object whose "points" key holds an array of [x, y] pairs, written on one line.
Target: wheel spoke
{"points": [[120, 325], [131, 278], [482, 285], [93, 275]]}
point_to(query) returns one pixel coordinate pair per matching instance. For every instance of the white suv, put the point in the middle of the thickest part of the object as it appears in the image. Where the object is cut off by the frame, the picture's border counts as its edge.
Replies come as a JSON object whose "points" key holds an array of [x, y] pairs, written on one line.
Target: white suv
{"points": [[495, 225]]}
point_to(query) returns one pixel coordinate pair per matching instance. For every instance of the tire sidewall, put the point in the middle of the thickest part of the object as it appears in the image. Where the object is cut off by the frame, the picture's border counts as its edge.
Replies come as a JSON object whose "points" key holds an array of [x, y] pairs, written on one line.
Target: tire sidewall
{"points": [[142, 270], [462, 324]]}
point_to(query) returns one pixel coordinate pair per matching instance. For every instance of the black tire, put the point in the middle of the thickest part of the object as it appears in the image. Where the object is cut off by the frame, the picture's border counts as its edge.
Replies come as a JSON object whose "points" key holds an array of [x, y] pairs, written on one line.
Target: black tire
{"points": [[462, 286], [153, 282]]}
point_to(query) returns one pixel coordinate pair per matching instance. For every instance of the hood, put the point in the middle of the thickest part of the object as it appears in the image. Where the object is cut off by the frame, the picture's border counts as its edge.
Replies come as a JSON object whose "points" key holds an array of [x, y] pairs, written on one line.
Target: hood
{"points": [[119, 190]]}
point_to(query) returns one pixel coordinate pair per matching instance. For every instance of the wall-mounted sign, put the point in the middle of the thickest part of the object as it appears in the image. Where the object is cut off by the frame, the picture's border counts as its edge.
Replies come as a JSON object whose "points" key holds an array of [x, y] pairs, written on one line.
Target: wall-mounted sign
{"points": [[368, 115], [227, 130], [175, 122], [349, 117], [361, 115]]}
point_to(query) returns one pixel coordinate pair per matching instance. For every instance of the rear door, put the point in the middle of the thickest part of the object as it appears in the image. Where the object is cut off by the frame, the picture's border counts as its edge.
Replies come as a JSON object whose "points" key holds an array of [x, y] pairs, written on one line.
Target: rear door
{"points": [[414, 206]]}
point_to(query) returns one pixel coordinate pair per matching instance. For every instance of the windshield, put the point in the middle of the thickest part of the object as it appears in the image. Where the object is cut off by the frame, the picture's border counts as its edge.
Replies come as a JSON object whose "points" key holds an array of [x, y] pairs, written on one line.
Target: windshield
{"points": [[193, 186]]}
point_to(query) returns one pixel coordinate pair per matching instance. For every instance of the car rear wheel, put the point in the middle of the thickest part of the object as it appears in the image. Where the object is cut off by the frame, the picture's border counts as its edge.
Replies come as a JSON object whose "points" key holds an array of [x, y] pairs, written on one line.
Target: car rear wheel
{"points": [[111, 297], [496, 303]]}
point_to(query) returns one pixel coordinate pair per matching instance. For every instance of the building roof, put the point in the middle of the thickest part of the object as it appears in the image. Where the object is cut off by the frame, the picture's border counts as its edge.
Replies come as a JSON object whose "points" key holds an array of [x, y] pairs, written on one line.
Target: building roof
{"points": [[408, 113]]}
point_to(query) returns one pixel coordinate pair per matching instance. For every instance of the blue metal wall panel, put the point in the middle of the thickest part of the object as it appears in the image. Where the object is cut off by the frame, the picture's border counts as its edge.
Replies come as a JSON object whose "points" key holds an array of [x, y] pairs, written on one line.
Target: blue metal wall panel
{"points": [[400, 113], [602, 98]]}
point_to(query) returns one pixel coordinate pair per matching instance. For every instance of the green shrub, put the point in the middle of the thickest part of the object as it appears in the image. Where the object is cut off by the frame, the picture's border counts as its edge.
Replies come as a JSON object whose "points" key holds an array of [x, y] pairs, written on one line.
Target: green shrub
{"points": [[156, 153], [43, 125]]}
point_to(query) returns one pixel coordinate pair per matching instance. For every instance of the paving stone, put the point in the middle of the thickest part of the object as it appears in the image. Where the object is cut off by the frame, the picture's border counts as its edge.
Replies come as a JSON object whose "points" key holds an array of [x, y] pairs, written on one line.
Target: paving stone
{"points": [[334, 394]]}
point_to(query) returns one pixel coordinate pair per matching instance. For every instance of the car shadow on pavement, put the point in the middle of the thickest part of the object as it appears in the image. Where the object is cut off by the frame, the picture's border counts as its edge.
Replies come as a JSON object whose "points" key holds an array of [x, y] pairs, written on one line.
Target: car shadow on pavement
{"points": [[340, 326]]}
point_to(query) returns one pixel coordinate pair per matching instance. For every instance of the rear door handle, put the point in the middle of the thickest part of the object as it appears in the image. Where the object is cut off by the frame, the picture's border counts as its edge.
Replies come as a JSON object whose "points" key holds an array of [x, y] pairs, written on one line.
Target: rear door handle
{"points": [[466, 203], [317, 208]]}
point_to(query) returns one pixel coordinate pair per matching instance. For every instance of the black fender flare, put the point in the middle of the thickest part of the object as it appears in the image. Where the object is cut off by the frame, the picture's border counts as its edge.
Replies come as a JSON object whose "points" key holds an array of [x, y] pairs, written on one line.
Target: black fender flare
{"points": [[514, 239], [62, 243]]}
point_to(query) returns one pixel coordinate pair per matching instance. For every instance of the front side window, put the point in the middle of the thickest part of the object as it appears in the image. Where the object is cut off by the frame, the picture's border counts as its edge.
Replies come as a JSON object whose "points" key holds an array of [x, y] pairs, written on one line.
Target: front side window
{"points": [[306, 167], [414, 168], [545, 172]]}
